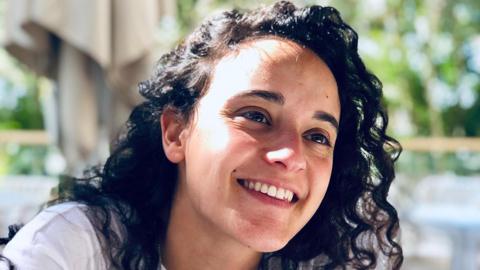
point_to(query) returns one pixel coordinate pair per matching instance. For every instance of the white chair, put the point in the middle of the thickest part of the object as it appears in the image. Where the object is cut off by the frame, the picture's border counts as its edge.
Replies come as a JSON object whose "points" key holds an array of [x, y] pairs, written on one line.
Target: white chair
{"points": [[449, 205], [21, 197]]}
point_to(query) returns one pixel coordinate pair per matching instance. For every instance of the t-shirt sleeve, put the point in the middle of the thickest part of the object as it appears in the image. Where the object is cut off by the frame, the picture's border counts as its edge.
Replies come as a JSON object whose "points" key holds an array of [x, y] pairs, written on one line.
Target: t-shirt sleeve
{"points": [[60, 237]]}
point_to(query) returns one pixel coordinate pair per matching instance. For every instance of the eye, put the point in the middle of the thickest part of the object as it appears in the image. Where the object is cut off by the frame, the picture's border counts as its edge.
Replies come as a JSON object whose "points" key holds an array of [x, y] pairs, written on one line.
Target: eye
{"points": [[256, 116], [318, 138]]}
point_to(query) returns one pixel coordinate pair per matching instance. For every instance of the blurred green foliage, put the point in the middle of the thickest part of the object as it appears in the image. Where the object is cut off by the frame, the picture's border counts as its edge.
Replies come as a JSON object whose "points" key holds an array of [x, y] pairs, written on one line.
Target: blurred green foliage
{"points": [[19, 105], [426, 53], [19, 109], [23, 159]]}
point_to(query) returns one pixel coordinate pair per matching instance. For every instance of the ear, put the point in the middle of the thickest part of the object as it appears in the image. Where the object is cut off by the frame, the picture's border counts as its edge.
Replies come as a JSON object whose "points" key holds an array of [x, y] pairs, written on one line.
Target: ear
{"points": [[173, 135]]}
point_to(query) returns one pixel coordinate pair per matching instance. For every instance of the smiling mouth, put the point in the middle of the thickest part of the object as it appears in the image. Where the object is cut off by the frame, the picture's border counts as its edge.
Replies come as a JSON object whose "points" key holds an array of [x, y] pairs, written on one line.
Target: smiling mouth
{"points": [[271, 191]]}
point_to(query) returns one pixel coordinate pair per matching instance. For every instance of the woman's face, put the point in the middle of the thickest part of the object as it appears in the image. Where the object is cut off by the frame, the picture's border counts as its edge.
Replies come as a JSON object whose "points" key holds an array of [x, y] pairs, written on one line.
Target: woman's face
{"points": [[259, 149]]}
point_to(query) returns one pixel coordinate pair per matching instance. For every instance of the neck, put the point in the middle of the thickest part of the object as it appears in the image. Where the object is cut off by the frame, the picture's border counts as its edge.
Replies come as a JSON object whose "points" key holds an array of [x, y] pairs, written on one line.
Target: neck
{"points": [[194, 243]]}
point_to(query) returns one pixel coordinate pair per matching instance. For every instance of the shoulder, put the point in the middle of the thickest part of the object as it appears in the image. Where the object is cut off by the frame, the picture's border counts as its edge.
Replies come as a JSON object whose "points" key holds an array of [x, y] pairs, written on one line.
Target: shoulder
{"points": [[59, 237]]}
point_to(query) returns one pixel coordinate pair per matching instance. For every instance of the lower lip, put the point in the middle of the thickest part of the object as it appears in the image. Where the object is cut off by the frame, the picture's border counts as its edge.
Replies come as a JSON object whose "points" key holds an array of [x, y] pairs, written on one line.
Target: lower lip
{"points": [[264, 198]]}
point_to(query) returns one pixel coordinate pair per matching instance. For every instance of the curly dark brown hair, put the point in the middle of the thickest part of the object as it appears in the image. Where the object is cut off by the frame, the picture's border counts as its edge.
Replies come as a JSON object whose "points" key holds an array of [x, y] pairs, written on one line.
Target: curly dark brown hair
{"points": [[355, 224]]}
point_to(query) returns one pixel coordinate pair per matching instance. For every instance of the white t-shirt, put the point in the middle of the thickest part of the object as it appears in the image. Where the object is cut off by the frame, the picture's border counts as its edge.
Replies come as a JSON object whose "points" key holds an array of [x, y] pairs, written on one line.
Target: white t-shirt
{"points": [[60, 237]]}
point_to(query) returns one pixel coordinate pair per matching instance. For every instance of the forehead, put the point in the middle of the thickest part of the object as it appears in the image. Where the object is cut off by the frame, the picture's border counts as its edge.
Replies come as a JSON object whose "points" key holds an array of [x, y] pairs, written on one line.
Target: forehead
{"points": [[272, 64], [266, 57], [271, 49], [265, 53]]}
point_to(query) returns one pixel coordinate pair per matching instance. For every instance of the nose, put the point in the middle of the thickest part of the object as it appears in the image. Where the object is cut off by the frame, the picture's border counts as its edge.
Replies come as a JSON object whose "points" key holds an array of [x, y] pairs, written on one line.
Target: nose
{"points": [[287, 153]]}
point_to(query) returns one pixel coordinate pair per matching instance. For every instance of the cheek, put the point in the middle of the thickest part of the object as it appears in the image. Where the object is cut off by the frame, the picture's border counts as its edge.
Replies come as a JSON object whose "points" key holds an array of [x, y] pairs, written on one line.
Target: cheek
{"points": [[319, 181], [213, 137], [214, 150], [218, 138]]}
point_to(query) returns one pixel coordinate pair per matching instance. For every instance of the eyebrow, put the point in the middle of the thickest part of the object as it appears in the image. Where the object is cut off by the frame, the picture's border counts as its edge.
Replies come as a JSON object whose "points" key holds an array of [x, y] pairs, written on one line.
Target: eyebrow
{"points": [[267, 95], [324, 116], [280, 99]]}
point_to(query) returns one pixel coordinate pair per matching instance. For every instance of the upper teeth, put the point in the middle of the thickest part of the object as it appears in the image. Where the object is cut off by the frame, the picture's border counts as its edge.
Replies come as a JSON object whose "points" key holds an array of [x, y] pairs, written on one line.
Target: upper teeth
{"points": [[270, 190]]}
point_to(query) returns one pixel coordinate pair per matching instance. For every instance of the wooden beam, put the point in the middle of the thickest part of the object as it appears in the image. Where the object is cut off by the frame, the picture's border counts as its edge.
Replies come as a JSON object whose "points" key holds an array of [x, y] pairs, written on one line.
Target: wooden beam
{"points": [[441, 144], [25, 137]]}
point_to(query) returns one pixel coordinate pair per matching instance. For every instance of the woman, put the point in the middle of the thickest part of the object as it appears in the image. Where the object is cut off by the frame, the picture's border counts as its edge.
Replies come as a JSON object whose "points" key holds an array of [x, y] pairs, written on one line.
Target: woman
{"points": [[261, 145]]}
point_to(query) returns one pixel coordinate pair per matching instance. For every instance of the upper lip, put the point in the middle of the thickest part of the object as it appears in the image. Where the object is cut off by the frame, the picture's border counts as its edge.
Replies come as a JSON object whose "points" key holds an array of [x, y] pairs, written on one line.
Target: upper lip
{"points": [[278, 183]]}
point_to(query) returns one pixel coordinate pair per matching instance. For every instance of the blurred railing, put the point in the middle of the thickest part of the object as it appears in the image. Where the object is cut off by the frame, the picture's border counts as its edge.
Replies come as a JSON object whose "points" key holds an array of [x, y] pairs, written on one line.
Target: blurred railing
{"points": [[25, 137], [441, 144]]}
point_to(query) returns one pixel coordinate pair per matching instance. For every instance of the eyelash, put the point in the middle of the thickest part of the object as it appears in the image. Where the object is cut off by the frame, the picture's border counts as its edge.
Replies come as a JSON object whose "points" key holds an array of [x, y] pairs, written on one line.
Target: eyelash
{"points": [[254, 116], [324, 139], [251, 115]]}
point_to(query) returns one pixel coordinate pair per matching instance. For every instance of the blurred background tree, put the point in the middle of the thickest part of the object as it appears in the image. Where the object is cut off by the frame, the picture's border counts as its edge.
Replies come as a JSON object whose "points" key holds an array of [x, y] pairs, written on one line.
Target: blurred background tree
{"points": [[426, 53]]}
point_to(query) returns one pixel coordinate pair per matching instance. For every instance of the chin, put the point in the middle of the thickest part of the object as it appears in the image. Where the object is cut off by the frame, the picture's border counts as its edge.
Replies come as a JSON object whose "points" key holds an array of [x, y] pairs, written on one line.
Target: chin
{"points": [[268, 245], [271, 246], [266, 241], [260, 233]]}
